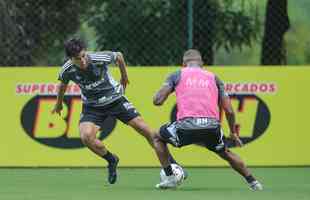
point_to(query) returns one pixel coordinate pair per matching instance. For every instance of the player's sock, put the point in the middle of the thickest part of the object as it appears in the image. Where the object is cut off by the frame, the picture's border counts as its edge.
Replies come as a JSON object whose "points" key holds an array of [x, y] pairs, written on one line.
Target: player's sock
{"points": [[109, 157], [112, 166], [250, 179], [172, 160], [168, 170], [253, 183]]}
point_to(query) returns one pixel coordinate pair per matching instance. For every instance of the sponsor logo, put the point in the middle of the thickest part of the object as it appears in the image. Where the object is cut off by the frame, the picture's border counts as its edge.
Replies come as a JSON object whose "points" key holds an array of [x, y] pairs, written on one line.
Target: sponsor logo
{"points": [[44, 89], [49, 129], [252, 114], [128, 106], [251, 88], [94, 85]]}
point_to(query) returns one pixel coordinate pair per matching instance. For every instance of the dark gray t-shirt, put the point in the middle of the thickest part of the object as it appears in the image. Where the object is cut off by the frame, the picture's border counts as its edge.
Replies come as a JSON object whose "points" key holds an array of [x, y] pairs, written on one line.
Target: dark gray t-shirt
{"points": [[98, 88]]}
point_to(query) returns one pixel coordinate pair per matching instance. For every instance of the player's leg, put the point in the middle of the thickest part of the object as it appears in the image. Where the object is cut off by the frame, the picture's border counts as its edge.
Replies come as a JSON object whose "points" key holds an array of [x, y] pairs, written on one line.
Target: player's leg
{"points": [[89, 126], [239, 166], [168, 134], [216, 143], [127, 113], [235, 162], [162, 152], [141, 127], [161, 149], [88, 131]]}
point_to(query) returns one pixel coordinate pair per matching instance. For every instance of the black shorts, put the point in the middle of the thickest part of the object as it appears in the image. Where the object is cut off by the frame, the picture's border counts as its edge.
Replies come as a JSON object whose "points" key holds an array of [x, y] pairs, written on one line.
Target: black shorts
{"points": [[212, 138], [121, 109]]}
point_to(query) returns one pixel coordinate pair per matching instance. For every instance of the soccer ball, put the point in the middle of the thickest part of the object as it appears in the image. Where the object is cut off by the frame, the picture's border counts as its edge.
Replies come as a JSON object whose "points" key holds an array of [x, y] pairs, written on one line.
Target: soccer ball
{"points": [[177, 171]]}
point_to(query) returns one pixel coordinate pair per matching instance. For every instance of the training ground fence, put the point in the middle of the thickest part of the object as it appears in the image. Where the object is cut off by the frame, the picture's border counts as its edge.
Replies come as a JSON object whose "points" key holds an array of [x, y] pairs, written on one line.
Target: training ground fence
{"points": [[147, 32]]}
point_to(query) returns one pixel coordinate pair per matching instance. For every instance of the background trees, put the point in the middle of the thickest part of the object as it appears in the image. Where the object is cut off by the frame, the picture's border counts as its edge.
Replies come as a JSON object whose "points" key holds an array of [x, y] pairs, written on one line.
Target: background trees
{"points": [[32, 31], [155, 32]]}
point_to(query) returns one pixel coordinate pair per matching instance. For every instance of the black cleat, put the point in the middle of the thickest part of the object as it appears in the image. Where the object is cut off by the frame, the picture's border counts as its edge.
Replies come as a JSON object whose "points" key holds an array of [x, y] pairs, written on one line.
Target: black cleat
{"points": [[112, 170]]}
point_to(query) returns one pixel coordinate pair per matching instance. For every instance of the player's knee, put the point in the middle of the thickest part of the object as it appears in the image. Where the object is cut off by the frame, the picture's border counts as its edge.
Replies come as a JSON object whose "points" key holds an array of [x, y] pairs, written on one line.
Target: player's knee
{"points": [[139, 125], [85, 138], [155, 139], [87, 135], [225, 154]]}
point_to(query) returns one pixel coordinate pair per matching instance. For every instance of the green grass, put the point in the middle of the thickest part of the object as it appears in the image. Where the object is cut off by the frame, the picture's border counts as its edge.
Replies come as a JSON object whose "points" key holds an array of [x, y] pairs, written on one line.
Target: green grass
{"points": [[136, 183]]}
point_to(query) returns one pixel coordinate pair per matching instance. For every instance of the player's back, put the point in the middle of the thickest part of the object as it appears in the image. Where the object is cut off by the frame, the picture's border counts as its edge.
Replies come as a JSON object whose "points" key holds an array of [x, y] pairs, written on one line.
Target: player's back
{"points": [[197, 94]]}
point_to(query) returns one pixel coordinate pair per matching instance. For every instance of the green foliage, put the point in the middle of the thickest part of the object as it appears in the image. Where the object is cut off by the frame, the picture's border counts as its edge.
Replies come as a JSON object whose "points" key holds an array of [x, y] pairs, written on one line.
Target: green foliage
{"points": [[40, 28], [153, 32], [146, 31], [307, 53], [236, 26]]}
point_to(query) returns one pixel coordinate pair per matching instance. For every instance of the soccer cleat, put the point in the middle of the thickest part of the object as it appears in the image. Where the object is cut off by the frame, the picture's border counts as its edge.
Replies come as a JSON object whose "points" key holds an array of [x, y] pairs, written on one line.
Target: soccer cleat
{"points": [[256, 186], [112, 170], [168, 182]]}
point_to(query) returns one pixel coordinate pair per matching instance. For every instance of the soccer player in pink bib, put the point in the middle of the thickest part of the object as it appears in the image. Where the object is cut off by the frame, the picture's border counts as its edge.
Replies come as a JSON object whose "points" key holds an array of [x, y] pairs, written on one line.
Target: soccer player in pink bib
{"points": [[200, 95]]}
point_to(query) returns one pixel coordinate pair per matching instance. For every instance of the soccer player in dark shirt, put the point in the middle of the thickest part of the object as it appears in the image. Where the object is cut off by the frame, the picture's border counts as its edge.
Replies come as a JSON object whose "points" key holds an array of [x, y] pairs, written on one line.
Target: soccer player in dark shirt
{"points": [[102, 97]]}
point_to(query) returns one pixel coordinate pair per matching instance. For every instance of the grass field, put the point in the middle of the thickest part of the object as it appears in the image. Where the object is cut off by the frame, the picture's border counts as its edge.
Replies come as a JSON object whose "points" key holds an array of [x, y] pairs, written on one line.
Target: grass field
{"points": [[138, 183]]}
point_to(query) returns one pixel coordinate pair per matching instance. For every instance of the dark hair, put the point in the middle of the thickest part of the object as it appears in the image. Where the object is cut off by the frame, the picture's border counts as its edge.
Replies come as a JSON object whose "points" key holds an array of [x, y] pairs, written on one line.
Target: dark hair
{"points": [[74, 46]]}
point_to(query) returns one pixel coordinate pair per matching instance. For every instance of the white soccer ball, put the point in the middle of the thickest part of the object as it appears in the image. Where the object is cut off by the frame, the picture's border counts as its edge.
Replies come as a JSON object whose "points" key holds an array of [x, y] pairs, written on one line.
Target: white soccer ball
{"points": [[177, 171]]}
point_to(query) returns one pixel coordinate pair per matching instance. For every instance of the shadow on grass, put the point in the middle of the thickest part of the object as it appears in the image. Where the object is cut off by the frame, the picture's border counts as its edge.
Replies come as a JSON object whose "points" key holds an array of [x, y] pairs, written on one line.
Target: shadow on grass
{"points": [[192, 189]]}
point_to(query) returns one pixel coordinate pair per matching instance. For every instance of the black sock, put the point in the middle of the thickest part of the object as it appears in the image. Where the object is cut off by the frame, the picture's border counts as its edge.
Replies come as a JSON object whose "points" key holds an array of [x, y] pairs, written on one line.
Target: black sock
{"points": [[250, 179], [171, 159], [168, 170], [109, 157]]}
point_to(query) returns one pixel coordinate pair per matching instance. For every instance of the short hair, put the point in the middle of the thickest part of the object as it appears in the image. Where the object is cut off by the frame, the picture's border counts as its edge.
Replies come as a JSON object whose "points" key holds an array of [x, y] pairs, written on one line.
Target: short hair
{"points": [[192, 55], [74, 46]]}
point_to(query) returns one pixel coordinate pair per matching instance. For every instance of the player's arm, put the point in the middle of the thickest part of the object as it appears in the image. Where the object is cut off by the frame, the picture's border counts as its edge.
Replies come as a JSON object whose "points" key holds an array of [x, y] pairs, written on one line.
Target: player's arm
{"points": [[64, 80], [167, 88], [161, 96], [225, 104], [60, 96], [229, 113], [120, 62], [231, 119]]}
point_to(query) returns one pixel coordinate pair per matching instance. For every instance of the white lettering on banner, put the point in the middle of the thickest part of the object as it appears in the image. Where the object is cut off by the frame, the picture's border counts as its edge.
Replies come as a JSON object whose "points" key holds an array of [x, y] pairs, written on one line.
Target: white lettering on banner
{"points": [[73, 89], [251, 88], [44, 89]]}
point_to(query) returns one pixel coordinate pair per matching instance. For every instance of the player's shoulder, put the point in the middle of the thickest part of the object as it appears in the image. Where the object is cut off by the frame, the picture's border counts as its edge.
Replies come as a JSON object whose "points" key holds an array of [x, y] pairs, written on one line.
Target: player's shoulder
{"points": [[210, 73], [176, 73], [67, 66], [102, 56], [173, 78], [217, 78]]}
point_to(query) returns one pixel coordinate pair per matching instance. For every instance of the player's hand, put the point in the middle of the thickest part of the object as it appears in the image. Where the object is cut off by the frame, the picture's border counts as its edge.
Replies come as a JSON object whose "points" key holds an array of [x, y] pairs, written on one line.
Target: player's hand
{"points": [[124, 81], [57, 109], [236, 139]]}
